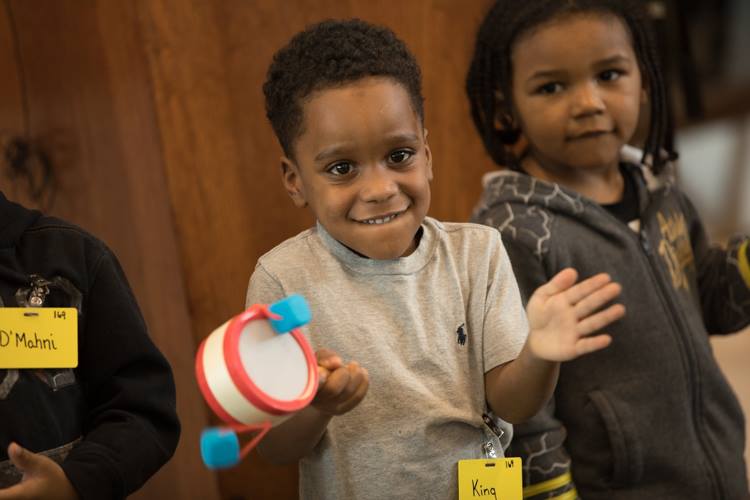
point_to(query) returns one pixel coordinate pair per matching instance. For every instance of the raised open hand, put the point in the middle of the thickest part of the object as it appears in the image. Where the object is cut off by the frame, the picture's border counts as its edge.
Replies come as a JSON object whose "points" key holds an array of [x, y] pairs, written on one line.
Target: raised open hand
{"points": [[563, 315]]}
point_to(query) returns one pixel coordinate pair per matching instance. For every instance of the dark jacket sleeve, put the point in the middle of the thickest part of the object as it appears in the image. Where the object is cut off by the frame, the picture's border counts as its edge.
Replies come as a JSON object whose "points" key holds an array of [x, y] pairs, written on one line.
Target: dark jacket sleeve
{"points": [[131, 428], [538, 441], [723, 280]]}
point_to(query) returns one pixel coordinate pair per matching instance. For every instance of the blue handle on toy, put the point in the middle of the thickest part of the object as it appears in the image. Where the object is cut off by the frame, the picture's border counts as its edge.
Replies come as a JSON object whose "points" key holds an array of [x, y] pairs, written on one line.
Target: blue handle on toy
{"points": [[294, 313], [220, 447]]}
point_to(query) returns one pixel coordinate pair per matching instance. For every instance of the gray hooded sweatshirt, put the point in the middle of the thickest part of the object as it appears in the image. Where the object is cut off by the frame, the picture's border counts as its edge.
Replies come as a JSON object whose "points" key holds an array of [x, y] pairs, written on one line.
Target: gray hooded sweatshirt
{"points": [[651, 416]]}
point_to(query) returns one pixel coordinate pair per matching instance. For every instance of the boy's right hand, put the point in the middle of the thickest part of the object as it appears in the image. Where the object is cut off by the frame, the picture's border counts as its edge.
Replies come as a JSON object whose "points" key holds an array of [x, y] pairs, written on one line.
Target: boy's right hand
{"points": [[341, 387]]}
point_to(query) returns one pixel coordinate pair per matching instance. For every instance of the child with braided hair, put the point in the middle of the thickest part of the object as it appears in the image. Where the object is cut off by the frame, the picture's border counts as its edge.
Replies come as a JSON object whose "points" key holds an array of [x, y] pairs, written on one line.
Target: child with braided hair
{"points": [[557, 90]]}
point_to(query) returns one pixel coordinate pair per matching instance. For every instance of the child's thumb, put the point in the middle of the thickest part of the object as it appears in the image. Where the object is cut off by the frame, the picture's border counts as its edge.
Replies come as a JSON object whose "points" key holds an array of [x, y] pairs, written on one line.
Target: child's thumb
{"points": [[323, 373], [22, 458]]}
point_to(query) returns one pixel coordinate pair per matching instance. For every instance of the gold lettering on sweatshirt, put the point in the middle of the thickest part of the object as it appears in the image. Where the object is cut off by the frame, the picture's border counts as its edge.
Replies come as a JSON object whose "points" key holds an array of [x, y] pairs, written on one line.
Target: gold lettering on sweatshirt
{"points": [[675, 248]]}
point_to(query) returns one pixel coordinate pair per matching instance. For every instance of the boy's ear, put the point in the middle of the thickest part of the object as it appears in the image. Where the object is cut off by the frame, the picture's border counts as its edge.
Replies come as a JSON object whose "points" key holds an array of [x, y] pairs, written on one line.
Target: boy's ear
{"points": [[428, 155], [292, 181]]}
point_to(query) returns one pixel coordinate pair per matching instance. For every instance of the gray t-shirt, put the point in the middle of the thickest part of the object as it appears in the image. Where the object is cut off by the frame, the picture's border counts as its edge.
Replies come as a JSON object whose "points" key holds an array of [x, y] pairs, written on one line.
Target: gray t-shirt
{"points": [[427, 327]]}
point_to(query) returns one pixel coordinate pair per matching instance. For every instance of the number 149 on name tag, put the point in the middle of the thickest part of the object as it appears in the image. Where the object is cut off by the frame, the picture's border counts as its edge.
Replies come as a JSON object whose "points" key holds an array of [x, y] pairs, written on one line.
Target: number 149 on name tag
{"points": [[493, 479], [38, 337]]}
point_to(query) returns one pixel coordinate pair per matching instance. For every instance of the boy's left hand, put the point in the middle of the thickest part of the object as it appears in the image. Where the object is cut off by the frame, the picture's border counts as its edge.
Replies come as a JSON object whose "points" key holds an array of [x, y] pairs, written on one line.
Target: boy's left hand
{"points": [[563, 314], [43, 478]]}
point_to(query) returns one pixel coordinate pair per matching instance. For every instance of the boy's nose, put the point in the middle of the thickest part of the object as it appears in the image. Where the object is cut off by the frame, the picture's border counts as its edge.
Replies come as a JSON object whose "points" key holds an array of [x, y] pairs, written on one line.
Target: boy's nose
{"points": [[587, 99], [379, 185]]}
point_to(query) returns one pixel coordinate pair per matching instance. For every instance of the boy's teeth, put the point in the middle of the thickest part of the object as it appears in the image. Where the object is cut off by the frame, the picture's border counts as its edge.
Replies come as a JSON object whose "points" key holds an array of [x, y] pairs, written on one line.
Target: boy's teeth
{"points": [[381, 221]]}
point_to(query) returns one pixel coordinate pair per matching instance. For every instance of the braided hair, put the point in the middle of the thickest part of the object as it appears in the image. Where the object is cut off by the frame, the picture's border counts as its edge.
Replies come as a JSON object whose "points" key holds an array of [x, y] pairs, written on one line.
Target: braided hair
{"points": [[330, 54], [488, 83]]}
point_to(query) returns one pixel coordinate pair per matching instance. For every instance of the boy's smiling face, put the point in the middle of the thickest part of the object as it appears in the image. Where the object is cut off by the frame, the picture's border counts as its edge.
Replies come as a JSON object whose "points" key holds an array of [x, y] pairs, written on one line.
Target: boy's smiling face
{"points": [[363, 166]]}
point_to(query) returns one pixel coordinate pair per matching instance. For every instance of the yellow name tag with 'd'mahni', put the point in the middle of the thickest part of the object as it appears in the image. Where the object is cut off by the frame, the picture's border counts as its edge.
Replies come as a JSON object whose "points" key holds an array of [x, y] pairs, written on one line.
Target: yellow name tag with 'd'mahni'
{"points": [[38, 337], [492, 479]]}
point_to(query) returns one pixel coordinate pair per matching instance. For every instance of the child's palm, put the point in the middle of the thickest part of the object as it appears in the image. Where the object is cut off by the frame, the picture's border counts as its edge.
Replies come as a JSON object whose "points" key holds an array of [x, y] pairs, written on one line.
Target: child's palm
{"points": [[42, 478], [563, 314]]}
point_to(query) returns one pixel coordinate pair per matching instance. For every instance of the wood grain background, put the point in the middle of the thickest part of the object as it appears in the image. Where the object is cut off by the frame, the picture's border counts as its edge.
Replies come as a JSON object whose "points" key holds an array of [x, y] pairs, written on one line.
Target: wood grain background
{"points": [[152, 114]]}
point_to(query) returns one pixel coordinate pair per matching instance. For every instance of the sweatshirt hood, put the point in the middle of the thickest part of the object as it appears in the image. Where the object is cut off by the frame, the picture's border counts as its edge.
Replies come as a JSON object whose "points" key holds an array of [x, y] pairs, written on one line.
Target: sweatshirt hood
{"points": [[507, 187]]}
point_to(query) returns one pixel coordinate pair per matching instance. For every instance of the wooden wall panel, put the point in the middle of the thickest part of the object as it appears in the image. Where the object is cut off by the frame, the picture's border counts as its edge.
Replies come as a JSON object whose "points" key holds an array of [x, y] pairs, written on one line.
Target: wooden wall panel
{"points": [[11, 108], [208, 61], [153, 113], [91, 108], [12, 104], [228, 209]]}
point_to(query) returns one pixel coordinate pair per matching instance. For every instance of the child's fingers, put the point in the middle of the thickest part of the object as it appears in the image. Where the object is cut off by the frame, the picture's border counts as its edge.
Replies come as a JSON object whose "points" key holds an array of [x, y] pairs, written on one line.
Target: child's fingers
{"points": [[342, 382], [597, 299], [323, 374], [42, 477], [591, 344], [597, 321], [357, 376], [587, 287], [335, 383], [356, 397], [16, 454], [23, 459], [344, 389], [328, 359], [559, 283]]}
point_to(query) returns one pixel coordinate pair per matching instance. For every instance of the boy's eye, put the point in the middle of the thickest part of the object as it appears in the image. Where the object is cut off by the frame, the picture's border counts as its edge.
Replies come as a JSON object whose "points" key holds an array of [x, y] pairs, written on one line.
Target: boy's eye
{"points": [[610, 75], [340, 168], [400, 156], [550, 88]]}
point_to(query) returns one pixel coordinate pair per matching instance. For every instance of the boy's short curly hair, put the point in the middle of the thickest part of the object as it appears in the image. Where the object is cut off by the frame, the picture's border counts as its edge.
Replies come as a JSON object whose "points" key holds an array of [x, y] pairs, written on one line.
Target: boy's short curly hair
{"points": [[330, 54]]}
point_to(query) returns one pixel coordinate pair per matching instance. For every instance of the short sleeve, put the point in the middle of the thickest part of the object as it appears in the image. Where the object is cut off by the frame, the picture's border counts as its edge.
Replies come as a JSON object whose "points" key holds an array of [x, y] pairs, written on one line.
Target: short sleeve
{"points": [[505, 323], [263, 288]]}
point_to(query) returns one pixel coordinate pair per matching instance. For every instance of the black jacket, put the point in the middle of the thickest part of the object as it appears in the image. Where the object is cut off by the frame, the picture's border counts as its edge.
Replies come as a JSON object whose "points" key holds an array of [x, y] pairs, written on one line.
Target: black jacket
{"points": [[111, 422], [651, 416]]}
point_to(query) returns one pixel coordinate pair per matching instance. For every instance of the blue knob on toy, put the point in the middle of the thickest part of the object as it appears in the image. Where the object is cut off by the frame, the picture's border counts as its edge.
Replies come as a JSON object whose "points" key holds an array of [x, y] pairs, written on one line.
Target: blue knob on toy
{"points": [[220, 448], [294, 313]]}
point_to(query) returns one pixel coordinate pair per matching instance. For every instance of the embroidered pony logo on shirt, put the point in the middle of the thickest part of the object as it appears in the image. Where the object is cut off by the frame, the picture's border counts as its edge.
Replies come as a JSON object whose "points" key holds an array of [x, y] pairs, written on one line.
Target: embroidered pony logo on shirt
{"points": [[675, 248], [461, 335]]}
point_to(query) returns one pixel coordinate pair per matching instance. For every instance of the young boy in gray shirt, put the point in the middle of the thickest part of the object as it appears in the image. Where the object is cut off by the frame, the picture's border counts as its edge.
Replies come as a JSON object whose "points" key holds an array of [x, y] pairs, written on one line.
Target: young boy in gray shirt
{"points": [[430, 311]]}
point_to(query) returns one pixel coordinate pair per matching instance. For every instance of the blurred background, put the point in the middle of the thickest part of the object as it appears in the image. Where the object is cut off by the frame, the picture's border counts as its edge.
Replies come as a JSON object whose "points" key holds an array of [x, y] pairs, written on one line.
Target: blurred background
{"points": [[143, 122]]}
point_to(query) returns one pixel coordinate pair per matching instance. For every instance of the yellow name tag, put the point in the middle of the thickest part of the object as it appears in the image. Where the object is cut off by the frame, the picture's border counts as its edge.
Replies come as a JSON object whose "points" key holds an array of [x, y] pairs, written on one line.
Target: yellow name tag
{"points": [[38, 337], [495, 479]]}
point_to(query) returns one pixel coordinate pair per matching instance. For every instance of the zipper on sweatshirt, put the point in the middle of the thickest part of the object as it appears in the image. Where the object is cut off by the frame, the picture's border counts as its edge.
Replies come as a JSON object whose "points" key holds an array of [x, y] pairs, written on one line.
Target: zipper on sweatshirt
{"points": [[687, 354], [689, 360]]}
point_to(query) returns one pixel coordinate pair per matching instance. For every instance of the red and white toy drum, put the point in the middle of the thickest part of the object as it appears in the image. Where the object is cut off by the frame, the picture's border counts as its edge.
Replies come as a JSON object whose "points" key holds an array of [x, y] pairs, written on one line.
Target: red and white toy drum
{"points": [[255, 371]]}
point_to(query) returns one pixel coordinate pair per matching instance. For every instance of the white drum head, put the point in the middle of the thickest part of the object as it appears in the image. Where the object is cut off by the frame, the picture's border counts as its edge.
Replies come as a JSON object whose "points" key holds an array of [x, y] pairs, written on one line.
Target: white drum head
{"points": [[274, 362]]}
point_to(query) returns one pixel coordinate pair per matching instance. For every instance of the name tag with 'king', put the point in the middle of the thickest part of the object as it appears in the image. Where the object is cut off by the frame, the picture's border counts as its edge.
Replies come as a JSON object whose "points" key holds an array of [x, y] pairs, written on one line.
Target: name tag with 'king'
{"points": [[490, 479], [38, 337]]}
